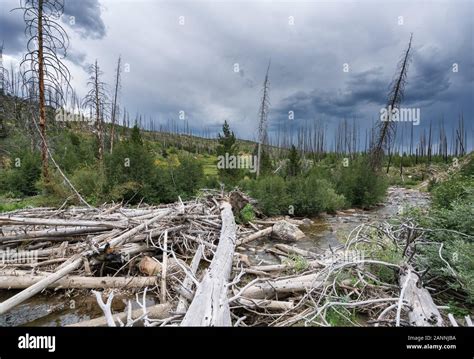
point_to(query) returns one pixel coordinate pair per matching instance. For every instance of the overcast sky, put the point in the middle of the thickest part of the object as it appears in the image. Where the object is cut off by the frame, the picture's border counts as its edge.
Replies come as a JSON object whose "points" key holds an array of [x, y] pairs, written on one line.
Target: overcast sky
{"points": [[190, 67]]}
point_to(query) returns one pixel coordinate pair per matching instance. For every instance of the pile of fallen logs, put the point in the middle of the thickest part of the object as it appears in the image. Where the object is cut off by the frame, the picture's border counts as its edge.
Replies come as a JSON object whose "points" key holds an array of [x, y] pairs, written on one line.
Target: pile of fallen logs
{"points": [[190, 257]]}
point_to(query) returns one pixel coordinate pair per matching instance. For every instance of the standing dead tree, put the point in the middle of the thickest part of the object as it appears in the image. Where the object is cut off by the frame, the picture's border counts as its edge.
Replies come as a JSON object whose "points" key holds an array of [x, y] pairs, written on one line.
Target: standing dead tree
{"points": [[3, 74], [387, 127], [114, 104], [3, 91], [96, 100], [263, 117], [45, 72]]}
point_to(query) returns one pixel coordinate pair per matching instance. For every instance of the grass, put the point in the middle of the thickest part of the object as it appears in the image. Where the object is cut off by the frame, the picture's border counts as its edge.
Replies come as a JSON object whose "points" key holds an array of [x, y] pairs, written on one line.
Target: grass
{"points": [[299, 263], [209, 164], [10, 204]]}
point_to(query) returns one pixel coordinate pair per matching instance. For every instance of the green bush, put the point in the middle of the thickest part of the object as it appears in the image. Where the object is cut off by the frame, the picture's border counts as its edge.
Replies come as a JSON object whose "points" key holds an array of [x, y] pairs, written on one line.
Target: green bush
{"points": [[89, 183], [312, 195], [21, 178], [71, 151], [447, 192], [359, 184], [129, 170], [247, 214], [171, 181], [270, 192], [450, 223]]}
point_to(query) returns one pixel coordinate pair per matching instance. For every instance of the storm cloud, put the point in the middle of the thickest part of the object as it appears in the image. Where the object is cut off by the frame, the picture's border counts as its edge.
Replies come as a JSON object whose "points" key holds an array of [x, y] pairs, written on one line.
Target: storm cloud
{"points": [[183, 56]]}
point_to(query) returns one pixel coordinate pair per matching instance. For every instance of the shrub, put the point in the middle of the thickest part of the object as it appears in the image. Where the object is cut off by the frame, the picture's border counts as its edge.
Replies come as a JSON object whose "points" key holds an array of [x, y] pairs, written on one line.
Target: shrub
{"points": [[129, 170], [89, 183], [183, 179], [359, 184], [271, 195], [445, 193], [450, 222], [247, 214], [22, 180], [312, 195]]}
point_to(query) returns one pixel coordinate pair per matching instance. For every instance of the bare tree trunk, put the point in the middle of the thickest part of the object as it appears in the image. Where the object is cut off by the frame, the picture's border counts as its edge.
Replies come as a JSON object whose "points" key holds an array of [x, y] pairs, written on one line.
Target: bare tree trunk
{"points": [[42, 110], [210, 306], [114, 105], [25, 281], [423, 311], [263, 121], [98, 119]]}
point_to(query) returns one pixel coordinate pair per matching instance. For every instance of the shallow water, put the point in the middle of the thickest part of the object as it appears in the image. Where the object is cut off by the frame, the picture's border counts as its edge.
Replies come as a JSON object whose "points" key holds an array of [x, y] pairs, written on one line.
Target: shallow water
{"points": [[56, 310]]}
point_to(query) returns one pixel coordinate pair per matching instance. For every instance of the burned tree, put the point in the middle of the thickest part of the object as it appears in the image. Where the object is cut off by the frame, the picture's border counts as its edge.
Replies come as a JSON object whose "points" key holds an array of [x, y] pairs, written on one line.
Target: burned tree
{"points": [[387, 128], [96, 99], [3, 91], [3, 74], [47, 45], [115, 108], [263, 117]]}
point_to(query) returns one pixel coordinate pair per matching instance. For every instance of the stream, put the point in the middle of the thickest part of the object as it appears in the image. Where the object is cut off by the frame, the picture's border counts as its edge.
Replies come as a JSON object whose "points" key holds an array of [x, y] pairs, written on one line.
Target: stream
{"points": [[54, 309]]}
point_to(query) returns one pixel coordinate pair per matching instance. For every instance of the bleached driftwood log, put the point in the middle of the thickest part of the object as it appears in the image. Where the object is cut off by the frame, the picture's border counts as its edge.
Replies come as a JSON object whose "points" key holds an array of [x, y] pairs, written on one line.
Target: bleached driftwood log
{"points": [[254, 236], [188, 282], [51, 232], [288, 265], [424, 312], [270, 288], [266, 304], [294, 250], [210, 306], [25, 281], [61, 222]]}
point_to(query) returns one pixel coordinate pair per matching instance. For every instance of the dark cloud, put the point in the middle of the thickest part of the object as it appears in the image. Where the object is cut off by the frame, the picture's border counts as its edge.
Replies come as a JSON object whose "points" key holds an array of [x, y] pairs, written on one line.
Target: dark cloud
{"points": [[12, 28], [368, 87], [430, 78], [190, 67], [87, 19]]}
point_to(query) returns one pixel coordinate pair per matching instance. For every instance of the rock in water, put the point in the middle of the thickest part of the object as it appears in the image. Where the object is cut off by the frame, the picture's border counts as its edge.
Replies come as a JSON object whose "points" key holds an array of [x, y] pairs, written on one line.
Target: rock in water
{"points": [[287, 231]]}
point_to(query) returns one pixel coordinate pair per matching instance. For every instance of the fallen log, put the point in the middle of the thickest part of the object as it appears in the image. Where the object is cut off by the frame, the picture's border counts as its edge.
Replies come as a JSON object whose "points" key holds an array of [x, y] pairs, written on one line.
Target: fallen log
{"points": [[79, 282], [254, 236], [61, 222], [423, 312], [210, 306], [158, 311], [282, 287], [266, 304], [48, 233], [187, 283], [294, 250], [284, 266]]}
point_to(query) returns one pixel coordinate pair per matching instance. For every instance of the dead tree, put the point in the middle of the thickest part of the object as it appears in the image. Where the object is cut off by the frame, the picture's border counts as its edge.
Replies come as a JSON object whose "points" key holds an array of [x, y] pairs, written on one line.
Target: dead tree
{"points": [[45, 72], [3, 91], [210, 305], [3, 74], [114, 104], [387, 128], [96, 99], [263, 117]]}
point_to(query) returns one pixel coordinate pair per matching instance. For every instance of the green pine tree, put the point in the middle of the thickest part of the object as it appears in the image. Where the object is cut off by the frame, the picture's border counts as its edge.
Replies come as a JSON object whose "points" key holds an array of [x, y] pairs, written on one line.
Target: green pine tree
{"points": [[294, 164]]}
